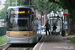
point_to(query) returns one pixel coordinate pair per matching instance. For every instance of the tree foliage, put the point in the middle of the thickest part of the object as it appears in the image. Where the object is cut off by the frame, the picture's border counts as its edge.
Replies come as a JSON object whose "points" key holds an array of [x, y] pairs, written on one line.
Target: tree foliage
{"points": [[3, 11], [66, 4], [43, 6], [23, 2]]}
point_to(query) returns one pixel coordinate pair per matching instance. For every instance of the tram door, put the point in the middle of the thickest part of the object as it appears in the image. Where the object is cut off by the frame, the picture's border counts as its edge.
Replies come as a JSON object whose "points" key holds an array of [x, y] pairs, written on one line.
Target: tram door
{"points": [[58, 23]]}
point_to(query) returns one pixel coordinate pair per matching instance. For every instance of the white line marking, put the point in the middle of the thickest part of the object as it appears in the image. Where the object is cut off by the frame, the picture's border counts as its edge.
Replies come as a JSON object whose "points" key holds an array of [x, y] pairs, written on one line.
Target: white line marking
{"points": [[37, 43], [42, 43]]}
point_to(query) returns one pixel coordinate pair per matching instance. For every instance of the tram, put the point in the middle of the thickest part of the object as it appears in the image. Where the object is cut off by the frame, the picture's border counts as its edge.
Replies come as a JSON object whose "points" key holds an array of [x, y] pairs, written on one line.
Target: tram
{"points": [[20, 25]]}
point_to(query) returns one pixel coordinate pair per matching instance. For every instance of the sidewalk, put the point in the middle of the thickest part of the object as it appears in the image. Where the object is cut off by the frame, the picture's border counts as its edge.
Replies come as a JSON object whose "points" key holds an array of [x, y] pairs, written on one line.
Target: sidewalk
{"points": [[54, 43]]}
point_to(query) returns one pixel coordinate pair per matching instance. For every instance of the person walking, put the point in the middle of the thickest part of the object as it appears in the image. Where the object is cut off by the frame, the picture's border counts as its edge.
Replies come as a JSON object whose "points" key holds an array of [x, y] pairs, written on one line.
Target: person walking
{"points": [[47, 27], [54, 27]]}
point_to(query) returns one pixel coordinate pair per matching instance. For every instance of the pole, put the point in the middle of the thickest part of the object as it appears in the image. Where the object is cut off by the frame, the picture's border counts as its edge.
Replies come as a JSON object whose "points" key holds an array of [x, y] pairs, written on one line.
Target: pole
{"points": [[66, 26], [16, 2], [29, 2], [10, 2], [6, 3], [41, 20]]}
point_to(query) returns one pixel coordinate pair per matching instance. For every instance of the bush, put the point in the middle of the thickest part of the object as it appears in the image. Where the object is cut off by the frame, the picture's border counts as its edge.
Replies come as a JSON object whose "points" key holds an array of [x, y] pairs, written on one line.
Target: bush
{"points": [[69, 38], [72, 40]]}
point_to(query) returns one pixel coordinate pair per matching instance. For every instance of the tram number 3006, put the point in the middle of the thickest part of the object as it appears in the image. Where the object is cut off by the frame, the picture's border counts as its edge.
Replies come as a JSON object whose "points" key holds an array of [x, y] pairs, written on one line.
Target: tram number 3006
{"points": [[25, 34]]}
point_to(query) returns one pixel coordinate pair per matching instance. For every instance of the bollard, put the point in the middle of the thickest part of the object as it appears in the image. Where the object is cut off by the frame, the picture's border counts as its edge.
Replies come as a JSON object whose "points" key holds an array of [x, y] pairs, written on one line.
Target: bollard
{"points": [[63, 32]]}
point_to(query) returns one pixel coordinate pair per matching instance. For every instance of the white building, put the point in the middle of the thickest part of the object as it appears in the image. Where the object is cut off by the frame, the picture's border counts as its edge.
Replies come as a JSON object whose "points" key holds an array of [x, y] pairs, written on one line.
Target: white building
{"points": [[1, 4]]}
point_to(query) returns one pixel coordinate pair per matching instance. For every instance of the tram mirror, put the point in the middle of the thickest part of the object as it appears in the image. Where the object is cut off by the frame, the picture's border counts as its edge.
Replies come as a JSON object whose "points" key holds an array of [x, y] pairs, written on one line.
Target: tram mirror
{"points": [[6, 17]]}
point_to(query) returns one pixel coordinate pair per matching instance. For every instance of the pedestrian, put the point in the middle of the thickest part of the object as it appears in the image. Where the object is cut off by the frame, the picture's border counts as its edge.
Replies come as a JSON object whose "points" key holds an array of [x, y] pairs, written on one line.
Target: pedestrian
{"points": [[47, 27], [54, 27]]}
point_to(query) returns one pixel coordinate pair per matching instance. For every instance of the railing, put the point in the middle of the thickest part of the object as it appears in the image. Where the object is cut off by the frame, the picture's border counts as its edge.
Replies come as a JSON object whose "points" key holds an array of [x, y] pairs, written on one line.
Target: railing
{"points": [[2, 27]]}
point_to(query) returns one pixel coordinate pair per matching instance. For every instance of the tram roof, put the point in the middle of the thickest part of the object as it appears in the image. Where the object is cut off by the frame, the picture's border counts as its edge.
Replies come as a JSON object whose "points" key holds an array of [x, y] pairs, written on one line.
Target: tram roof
{"points": [[18, 7]]}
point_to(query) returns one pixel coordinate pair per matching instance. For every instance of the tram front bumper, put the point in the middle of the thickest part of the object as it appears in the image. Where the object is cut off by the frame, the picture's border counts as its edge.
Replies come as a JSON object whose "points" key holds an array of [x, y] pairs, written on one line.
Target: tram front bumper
{"points": [[31, 39]]}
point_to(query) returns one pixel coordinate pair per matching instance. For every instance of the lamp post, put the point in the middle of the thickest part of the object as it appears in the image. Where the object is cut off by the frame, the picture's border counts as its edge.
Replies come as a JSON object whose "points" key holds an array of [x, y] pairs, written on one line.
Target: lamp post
{"points": [[42, 19], [16, 2], [10, 2], [29, 2]]}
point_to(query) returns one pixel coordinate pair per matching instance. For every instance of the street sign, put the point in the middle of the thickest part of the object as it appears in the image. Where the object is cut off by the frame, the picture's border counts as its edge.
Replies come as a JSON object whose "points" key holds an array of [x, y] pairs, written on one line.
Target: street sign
{"points": [[65, 22], [65, 25], [65, 12]]}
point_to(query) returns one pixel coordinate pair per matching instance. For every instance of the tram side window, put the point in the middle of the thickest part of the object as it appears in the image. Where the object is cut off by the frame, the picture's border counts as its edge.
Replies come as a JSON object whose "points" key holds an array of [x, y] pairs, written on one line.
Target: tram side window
{"points": [[31, 25]]}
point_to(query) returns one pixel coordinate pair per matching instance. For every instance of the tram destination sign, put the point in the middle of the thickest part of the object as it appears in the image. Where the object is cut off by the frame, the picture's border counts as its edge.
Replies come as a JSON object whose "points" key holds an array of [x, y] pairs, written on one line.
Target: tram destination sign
{"points": [[21, 11]]}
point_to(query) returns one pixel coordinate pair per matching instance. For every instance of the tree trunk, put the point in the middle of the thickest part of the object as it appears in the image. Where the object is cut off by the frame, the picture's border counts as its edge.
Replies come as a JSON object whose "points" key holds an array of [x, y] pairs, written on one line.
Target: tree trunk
{"points": [[71, 26], [45, 18]]}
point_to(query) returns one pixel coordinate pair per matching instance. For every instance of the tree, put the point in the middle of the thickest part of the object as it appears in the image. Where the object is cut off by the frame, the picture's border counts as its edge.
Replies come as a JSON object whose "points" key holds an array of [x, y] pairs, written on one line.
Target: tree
{"points": [[23, 2], [43, 6], [70, 5], [7, 4]]}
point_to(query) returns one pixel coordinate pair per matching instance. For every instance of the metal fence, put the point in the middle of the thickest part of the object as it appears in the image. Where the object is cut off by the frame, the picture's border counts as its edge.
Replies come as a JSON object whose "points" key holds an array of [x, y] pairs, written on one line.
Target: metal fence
{"points": [[2, 27]]}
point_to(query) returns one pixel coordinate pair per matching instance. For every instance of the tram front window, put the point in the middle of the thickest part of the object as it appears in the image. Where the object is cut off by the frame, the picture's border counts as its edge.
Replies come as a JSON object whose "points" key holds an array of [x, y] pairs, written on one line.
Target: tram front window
{"points": [[18, 25], [23, 25]]}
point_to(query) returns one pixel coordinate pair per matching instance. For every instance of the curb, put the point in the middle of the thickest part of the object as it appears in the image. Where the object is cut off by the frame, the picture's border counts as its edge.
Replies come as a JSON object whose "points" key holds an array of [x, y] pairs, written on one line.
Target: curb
{"points": [[37, 43]]}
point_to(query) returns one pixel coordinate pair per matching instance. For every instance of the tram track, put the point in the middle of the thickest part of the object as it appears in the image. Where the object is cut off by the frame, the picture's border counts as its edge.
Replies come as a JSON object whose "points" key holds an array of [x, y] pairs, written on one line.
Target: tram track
{"points": [[20, 47]]}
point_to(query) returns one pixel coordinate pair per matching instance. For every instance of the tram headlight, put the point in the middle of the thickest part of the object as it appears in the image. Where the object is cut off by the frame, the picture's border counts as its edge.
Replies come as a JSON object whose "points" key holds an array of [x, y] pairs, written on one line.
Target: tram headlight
{"points": [[7, 33], [31, 33], [12, 11]]}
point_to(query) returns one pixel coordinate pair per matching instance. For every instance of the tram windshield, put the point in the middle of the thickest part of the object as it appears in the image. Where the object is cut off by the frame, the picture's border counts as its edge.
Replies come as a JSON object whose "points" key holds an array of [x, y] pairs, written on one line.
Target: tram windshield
{"points": [[23, 24], [19, 19], [18, 24]]}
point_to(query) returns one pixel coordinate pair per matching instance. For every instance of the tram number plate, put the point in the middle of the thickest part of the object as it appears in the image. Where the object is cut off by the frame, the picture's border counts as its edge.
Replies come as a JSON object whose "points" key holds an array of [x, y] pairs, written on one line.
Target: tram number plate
{"points": [[25, 34]]}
